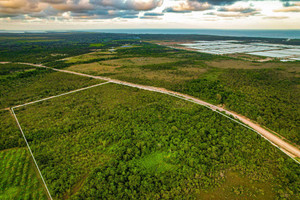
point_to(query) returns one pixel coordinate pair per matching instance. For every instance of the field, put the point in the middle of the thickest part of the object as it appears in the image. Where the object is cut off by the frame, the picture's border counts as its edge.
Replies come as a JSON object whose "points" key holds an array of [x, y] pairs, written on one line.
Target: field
{"points": [[118, 142], [18, 179]]}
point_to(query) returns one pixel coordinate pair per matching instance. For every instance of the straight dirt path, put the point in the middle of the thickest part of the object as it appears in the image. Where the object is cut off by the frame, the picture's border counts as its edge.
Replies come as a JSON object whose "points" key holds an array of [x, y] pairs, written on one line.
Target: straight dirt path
{"points": [[287, 148]]}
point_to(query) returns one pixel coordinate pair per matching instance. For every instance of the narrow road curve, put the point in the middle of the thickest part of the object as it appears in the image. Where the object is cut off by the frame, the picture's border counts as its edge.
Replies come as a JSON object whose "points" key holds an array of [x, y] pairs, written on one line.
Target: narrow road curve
{"points": [[287, 148]]}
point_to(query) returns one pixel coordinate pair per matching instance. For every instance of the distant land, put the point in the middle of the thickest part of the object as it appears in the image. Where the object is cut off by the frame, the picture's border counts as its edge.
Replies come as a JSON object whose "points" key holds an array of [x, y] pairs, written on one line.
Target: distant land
{"points": [[288, 34]]}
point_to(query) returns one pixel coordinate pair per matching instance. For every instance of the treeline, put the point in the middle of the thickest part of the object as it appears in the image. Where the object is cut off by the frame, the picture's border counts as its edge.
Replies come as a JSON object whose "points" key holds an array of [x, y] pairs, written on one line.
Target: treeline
{"points": [[48, 47]]}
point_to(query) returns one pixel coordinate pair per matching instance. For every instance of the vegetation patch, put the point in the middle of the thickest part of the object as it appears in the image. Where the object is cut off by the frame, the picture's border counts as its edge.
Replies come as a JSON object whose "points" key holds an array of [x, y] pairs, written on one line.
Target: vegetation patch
{"points": [[10, 135], [18, 179], [156, 163], [236, 186], [97, 45], [139, 144], [268, 96]]}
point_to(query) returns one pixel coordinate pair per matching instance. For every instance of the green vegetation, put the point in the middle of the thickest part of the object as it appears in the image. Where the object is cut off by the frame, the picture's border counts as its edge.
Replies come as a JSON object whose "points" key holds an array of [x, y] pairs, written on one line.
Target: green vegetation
{"points": [[10, 135], [269, 96], [265, 92], [18, 180], [50, 47], [20, 84], [97, 45], [117, 142]]}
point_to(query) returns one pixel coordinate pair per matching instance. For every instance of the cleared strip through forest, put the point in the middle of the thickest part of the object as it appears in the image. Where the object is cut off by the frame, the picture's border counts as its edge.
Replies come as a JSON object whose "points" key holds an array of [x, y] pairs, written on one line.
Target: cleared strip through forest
{"points": [[290, 150], [19, 126], [32, 102], [49, 195]]}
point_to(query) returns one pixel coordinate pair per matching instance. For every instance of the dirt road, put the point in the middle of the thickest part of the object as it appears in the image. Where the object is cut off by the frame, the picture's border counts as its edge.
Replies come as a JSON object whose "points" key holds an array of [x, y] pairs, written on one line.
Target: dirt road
{"points": [[287, 148]]}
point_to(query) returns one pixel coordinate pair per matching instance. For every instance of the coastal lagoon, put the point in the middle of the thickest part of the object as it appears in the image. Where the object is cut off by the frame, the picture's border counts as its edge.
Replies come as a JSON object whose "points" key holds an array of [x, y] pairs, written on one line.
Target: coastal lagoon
{"points": [[280, 51]]}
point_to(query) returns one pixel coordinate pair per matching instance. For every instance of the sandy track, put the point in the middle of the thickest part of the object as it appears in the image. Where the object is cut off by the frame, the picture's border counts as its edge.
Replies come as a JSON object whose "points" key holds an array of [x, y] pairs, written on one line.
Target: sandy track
{"points": [[287, 148]]}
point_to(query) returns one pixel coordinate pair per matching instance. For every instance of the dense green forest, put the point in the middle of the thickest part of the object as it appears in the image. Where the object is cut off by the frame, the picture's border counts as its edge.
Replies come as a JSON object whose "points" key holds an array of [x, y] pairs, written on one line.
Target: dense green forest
{"points": [[117, 142], [18, 178], [10, 134], [269, 96]]}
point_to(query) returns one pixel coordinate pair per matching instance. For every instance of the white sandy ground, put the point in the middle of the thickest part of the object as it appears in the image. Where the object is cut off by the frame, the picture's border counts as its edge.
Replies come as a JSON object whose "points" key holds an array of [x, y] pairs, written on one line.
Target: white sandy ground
{"points": [[286, 147]]}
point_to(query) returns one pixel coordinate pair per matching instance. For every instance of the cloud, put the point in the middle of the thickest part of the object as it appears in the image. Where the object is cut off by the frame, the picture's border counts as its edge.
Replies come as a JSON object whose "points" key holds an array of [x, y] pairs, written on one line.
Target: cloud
{"points": [[198, 5], [221, 2], [238, 9], [153, 14], [68, 9], [189, 6], [235, 12], [234, 15], [137, 5], [288, 9], [275, 17], [16, 7]]}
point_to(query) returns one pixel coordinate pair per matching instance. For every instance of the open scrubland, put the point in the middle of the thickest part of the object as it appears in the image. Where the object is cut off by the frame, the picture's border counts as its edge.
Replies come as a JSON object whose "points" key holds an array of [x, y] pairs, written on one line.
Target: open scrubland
{"points": [[116, 142]]}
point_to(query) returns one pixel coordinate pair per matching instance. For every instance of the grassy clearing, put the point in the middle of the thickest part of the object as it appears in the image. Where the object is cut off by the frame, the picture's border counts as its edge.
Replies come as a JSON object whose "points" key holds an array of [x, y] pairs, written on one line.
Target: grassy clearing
{"points": [[237, 187], [130, 143], [89, 57], [23, 86], [97, 45], [155, 163], [18, 179], [138, 61], [140, 75]]}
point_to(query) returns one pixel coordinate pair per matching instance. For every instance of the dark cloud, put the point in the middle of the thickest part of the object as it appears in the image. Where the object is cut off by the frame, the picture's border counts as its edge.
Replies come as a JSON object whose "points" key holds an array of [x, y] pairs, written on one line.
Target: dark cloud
{"points": [[289, 7], [235, 12], [238, 9], [129, 4], [153, 14], [220, 2], [176, 10], [105, 14], [54, 1]]}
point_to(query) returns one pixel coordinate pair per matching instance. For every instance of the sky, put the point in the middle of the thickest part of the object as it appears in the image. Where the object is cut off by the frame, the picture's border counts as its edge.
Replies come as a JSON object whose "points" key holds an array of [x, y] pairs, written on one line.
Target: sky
{"points": [[139, 14]]}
